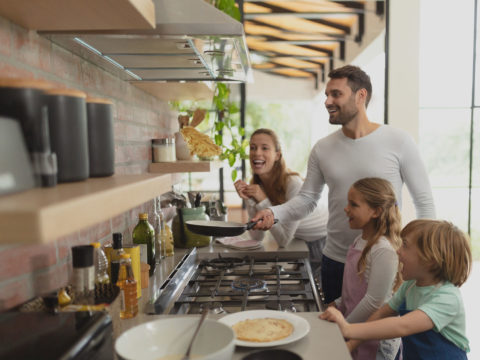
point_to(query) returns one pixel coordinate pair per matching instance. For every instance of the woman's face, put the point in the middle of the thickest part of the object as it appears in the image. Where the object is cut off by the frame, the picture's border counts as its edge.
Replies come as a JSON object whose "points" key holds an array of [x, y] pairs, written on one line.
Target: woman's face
{"points": [[262, 154]]}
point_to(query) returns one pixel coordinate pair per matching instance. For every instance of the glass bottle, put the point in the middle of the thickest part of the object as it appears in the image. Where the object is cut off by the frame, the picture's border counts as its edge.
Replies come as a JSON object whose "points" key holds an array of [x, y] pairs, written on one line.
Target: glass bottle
{"points": [[117, 251], [83, 274], [157, 228], [167, 237], [101, 264], [144, 235], [128, 288]]}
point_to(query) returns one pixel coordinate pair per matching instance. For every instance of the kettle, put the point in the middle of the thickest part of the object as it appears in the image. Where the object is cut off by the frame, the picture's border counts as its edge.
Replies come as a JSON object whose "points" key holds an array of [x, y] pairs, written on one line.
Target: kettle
{"points": [[184, 238]]}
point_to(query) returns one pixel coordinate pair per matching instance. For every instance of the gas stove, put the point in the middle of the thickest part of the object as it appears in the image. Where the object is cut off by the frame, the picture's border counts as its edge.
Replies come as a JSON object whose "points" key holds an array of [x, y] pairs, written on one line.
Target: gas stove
{"points": [[237, 283]]}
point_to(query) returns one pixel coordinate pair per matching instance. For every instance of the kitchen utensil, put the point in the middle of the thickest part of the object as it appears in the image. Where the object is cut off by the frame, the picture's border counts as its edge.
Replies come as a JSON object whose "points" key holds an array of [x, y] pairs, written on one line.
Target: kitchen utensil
{"points": [[189, 349], [170, 336], [182, 236], [198, 199], [16, 173], [277, 354], [219, 228]]}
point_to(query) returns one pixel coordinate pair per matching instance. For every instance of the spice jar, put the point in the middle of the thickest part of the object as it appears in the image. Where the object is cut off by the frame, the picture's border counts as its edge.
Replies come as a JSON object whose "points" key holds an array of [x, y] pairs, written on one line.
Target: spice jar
{"points": [[163, 150]]}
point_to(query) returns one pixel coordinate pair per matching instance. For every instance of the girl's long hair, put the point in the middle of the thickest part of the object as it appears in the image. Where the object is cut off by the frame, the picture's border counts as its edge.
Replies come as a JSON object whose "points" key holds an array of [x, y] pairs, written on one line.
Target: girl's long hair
{"points": [[378, 194], [277, 191]]}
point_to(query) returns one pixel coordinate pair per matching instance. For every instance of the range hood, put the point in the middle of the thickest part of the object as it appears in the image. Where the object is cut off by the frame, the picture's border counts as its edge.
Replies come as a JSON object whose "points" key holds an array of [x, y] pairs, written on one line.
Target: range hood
{"points": [[192, 41]]}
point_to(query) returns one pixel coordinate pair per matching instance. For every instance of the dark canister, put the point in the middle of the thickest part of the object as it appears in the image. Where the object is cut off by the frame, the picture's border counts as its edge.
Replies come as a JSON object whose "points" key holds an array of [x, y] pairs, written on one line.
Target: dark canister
{"points": [[22, 100], [101, 147], [68, 132]]}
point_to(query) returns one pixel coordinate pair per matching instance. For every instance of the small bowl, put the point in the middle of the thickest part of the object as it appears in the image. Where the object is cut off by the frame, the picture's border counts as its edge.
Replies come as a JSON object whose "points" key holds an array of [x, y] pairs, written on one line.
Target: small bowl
{"points": [[171, 336], [277, 354]]}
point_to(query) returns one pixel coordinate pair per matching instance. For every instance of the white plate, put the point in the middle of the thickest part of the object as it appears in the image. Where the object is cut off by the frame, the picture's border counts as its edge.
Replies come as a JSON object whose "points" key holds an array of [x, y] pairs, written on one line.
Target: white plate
{"points": [[301, 327]]}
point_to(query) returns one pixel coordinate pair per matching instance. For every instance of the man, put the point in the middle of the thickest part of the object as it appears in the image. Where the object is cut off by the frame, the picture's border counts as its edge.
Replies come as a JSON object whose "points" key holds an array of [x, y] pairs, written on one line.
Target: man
{"points": [[359, 149]]}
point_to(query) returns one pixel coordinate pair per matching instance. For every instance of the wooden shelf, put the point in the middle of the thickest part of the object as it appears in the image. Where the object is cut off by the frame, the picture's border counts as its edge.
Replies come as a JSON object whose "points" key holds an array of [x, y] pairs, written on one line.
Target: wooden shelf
{"points": [[170, 91], [52, 15], [184, 166], [42, 215]]}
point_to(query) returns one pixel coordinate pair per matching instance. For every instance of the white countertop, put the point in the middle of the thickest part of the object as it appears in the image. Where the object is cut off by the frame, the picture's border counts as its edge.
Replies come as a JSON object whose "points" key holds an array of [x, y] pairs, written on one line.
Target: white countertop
{"points": [[323, 341]]}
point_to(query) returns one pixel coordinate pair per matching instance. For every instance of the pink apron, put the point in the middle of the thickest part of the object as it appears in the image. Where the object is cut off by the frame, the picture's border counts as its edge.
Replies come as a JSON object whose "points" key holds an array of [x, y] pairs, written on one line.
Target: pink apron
{"points": [[354, 289]]}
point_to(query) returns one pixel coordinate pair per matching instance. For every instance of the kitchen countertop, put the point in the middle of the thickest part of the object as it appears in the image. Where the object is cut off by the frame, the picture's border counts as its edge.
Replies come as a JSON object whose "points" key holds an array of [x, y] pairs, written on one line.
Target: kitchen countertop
{"points": [[323, 339]]}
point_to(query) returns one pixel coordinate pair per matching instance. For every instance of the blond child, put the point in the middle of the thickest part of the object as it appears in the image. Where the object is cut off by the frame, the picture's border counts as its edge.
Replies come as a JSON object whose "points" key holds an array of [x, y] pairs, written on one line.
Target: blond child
{"points": [[436, 259], [371, 266]]}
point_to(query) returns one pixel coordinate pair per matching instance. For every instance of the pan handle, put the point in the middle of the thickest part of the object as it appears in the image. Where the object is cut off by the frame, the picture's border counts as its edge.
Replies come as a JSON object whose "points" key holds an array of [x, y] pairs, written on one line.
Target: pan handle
{"points": [[251, 224]]}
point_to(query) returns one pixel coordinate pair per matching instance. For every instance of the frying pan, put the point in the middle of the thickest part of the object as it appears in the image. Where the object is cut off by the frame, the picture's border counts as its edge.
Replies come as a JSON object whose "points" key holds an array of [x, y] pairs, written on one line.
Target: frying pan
{"points": [[219, 228]]}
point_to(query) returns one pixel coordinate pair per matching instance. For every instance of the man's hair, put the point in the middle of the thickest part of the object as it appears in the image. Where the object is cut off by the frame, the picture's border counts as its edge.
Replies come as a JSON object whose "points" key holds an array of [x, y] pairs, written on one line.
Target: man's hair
{"points": [[356, 78], [443, 247]]}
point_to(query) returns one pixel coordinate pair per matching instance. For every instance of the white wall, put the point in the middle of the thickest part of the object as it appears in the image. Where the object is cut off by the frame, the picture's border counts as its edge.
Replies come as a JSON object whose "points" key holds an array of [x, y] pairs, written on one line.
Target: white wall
{"points": [[403, 79]]}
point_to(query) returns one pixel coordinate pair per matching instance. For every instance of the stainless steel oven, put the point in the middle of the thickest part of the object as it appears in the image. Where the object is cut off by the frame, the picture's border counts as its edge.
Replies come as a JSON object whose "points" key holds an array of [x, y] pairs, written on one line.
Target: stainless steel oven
{"points": [[243, 281]]}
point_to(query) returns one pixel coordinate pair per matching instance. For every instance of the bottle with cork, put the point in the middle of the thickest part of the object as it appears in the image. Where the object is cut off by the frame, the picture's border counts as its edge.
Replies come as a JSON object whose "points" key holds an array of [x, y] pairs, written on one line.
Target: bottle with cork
{"points": [[128, 288], [166, 237]]}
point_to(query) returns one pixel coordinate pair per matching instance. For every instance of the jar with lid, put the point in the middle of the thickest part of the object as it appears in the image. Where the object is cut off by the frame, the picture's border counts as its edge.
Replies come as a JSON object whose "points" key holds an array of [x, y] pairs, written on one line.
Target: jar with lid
{"points": [[83, 274], [163, 150]]}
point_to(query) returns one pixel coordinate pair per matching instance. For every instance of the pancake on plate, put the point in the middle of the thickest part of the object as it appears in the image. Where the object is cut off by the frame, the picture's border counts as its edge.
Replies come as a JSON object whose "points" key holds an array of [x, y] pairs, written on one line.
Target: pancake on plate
{"points": [[262, 330]]}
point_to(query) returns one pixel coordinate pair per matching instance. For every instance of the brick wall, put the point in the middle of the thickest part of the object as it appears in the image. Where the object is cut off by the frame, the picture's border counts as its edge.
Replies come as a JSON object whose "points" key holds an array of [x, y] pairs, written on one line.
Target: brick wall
{"points": [[30, 270]]}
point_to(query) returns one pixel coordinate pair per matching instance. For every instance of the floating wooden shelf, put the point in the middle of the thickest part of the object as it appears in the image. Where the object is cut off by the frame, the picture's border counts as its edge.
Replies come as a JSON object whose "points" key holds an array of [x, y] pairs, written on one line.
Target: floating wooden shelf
{"points": [[184, 166], [169, 91], [80, 15], [42, 215]]}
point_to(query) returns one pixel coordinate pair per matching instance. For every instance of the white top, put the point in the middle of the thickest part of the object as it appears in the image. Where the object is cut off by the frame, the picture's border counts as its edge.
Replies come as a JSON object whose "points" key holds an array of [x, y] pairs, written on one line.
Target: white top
{"points": [[339, 161], [380, 270], [311, 228]]}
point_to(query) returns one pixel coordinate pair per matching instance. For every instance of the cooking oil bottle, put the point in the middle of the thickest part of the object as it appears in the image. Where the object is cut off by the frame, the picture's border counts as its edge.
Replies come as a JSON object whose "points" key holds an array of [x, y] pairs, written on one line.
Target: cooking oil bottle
{"points": [[128, 288]]}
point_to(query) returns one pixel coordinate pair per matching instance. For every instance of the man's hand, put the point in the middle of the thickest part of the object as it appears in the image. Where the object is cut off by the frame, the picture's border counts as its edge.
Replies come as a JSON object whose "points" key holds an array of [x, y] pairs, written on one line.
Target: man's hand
{"points": [[266, 219]]}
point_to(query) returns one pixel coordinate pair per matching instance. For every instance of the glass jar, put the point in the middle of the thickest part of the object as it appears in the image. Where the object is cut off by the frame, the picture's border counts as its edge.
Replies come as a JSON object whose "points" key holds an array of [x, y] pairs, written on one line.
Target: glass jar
{"points": [[163, 150], [184, 238]]}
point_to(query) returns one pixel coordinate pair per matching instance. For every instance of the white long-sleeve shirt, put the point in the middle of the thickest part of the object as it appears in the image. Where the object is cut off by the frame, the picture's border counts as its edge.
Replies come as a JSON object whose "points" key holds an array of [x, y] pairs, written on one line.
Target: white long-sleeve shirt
{"points": [[339, 161], [313, 227], [380, 269]]}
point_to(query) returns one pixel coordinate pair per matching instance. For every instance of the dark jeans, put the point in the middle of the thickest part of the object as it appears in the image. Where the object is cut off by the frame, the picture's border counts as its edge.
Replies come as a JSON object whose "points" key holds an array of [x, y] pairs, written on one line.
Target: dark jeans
{"points": [[332, 279]]}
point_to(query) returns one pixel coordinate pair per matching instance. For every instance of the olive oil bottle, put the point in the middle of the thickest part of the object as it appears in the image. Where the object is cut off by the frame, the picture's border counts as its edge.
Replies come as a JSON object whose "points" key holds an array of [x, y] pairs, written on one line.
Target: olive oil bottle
{"points": [[144, 235], [128, 288]]}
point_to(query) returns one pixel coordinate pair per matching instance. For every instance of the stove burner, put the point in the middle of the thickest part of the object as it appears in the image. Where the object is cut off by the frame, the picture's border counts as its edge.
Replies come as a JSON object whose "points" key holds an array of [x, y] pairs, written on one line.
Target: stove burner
{"points": [[249, 284], [223, 263]]}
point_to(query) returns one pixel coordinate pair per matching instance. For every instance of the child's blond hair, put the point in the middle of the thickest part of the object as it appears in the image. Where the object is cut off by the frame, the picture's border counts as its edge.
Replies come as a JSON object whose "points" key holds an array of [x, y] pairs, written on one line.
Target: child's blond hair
{"points": [[444, 247]]}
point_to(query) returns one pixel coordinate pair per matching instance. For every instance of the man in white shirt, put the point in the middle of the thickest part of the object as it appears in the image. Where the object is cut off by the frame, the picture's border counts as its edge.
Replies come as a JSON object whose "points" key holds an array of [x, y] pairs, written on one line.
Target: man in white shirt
{"points": [[359, 149]]}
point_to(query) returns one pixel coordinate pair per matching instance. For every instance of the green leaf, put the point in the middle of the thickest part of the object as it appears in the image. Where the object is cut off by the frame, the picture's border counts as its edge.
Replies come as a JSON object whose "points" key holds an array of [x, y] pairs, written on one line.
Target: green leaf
{"points": [[231, 159], [218, 139], [234, 174]]}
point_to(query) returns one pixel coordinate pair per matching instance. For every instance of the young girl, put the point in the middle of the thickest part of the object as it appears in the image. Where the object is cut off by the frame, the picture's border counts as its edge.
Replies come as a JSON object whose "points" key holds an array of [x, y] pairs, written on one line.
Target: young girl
{"points": [[436, 259], [274, 184], [371, 266]]}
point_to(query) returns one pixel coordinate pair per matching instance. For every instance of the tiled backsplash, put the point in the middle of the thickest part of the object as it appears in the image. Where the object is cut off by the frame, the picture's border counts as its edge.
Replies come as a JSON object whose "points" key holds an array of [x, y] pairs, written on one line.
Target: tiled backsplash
{"points": [[30, 270]]}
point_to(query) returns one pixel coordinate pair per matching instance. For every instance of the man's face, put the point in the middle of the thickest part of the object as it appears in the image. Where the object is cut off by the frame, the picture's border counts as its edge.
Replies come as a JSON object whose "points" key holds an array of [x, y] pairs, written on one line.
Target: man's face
{"points": [[340, 102]]}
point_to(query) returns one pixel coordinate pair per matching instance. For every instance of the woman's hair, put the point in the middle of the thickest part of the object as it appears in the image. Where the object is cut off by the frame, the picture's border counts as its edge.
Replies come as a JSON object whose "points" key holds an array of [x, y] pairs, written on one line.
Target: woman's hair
{"points": [[444, 247], [276, 191], [378, 194]]}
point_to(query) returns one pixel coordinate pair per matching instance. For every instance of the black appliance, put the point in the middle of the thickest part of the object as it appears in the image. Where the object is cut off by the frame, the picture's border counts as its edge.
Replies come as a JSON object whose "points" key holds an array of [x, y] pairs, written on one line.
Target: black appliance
{"points": [[79, 335]]}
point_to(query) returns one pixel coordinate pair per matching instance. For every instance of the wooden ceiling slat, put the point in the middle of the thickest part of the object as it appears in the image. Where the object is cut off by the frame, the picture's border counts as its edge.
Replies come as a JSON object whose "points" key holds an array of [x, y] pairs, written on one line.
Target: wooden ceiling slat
{"points": [[292, 23]]}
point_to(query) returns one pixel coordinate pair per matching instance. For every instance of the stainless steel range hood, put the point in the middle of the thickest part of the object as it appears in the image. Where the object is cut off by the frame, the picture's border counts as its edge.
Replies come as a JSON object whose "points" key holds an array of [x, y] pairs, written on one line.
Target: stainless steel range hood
{"points": [[192, 41]]}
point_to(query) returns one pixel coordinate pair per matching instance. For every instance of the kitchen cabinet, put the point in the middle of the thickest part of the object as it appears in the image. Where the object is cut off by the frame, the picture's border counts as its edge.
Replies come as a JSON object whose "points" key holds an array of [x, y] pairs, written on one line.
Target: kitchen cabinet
{"points": [[80, 15], [42, 215], [184, 166]]}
